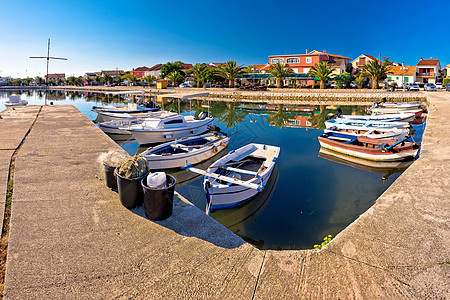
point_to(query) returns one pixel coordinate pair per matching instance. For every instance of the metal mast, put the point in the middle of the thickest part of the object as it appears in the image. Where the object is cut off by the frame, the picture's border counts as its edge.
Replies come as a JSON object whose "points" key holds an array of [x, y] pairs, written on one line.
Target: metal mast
{"points": [[48, 57]]}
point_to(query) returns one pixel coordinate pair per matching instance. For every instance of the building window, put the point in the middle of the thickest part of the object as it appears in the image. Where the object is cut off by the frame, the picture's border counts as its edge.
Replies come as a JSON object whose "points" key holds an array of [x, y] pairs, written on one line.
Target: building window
{"points": [[397, 77], [309, 60], [276, 60], [293, 60], [406, 79], [305, 70], [389, 78]]}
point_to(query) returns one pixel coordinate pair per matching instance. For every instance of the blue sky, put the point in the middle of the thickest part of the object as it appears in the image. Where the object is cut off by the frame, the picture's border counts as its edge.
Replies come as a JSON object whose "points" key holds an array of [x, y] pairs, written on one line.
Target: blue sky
{"points": [[105, 35]]}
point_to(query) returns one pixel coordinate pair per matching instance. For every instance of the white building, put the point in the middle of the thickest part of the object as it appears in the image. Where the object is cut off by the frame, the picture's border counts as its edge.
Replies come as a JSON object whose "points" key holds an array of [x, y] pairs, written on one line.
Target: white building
{"points": [[402, 74]]}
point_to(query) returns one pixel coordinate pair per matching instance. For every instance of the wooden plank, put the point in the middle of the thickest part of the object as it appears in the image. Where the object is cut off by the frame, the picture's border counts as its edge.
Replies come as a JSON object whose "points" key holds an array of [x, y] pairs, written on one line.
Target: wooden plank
{"points": [[226, 178]]}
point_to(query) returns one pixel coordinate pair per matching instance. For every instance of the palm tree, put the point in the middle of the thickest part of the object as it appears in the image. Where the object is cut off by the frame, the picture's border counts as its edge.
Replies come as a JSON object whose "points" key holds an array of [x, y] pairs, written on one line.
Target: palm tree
{"points": [[98, 79], [230, 70], [250, 69], [279, 71], [89, 80], [149, 79], [175, 77], [200, 73], [377, 70], [107, 78], [321, 70], [27, 81]]}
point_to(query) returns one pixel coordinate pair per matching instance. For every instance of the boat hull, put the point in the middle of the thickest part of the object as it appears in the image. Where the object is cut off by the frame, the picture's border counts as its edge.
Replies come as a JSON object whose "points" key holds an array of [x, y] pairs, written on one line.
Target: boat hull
{"points": [[345, 136], [367, 153], [160, 162], [403, 117], [9, 103], [223, 197], [166, 135]]}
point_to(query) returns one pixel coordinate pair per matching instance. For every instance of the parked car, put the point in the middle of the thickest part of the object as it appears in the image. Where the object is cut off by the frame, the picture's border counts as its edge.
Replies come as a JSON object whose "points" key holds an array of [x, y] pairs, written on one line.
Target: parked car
{"points": [[439, 86], [447, 87], [405, 86], [185, 85], [413, 87], [429, 87]]}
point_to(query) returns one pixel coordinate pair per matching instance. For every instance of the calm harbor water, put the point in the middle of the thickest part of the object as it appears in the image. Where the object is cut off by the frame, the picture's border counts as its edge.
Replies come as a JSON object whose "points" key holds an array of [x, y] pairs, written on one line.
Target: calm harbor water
{"points": [[309, 195]]}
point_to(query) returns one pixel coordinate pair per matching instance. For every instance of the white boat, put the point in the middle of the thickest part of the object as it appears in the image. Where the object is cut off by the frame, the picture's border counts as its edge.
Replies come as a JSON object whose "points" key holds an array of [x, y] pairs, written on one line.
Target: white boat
{"points": [[239, 176], [406, 105], [168, 127], [345, 134], [113, 127], [416, 112], [361, 124], [389, 110], [401, 117], [110, 116], [14, 100], [186, 151]]}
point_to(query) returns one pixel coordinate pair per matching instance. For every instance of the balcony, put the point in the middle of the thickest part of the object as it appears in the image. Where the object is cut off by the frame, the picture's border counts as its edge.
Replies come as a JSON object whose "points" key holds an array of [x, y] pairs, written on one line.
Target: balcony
{"points": [[426, 74]]}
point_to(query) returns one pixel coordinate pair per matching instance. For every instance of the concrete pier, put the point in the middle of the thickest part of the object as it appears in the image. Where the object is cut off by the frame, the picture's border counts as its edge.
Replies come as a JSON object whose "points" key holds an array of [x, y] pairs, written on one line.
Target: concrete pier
{"points": [[71, 238]]}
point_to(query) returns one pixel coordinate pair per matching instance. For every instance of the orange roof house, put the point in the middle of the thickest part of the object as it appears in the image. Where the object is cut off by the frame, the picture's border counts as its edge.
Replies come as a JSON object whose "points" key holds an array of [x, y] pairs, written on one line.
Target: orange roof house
{"points": [[401, 74], [428, 70], [139, 72]]}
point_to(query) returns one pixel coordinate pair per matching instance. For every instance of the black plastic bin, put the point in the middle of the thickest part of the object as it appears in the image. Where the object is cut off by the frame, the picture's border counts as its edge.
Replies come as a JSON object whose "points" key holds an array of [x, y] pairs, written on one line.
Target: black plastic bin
{"points": [[130, 191], [158, 203], [110, 177]]}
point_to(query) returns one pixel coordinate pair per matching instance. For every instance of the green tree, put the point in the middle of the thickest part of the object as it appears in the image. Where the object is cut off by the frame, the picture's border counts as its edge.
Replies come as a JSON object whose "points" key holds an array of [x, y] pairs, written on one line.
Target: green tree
{"points": [[39, 80], [176, 78], [79, 81], [118, 80], [230, 70], [71, 80], [98, 80], [200, 73], [149, 79], [171, 67], [377, 70], [107, 78], [321, 70], [343, 80], [250, 69], [359, 81], [132, 79], [27, 81], [280, 72], [89, 80]]}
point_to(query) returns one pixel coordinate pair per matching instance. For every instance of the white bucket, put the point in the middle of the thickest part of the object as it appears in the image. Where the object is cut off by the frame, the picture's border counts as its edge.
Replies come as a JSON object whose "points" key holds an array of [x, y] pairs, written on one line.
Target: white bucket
{"points": [[156, 180]]}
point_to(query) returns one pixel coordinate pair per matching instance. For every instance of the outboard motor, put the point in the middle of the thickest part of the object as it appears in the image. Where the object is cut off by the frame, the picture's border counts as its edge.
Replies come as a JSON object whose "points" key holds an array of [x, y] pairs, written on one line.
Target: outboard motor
{"points": [[338, 112], [202, 115], [215, 129], [150, 105], [383, 100]]}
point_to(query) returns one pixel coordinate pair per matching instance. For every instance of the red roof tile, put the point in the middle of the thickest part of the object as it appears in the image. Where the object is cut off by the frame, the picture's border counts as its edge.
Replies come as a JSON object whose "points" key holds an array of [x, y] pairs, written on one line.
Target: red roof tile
{"points": [[428, 62], [398, 70]]}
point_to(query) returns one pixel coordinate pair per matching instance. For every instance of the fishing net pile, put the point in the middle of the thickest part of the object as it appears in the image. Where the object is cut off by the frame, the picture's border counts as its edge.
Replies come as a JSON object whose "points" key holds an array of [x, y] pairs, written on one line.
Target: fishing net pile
{"points": [[134, 167]]}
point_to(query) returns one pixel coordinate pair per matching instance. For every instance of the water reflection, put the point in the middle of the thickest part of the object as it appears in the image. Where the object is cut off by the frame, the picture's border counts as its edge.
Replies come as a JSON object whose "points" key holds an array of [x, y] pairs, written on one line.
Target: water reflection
{"points": [[239, 217], [386, 169]]}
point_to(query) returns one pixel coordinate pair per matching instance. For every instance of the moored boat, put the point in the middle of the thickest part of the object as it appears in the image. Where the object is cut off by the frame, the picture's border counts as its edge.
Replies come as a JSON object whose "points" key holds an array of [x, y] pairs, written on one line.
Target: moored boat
{"points": [[417, 113], [190, 150], [393, 110], [346, 134], [400, 117], [372, 149], [362, 124], [168, 127], [238, 176], [14, 100], [110, 116]]}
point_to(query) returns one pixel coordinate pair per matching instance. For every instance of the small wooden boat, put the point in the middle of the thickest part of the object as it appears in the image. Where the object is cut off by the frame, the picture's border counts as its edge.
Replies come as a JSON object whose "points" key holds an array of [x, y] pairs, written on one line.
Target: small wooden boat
{"points": [[14, 100], [361, 124], [113, 127], [346, 134], [186, 151], [405, 105], [130, 108], [372, 149], [110, 116], [417, 113], [238, 176], [401, 117], [392, 110], [168, 127]]}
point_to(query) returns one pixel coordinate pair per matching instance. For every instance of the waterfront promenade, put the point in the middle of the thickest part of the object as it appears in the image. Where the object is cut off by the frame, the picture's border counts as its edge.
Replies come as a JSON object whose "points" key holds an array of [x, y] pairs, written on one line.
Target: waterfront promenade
{"points": [[71, 238]]}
